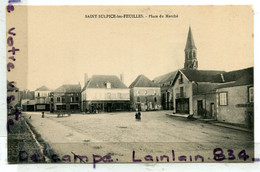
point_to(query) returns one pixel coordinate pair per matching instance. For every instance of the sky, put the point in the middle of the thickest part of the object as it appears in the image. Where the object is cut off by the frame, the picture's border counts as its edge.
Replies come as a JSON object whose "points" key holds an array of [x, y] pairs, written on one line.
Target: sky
{"points": [[63, 45]]}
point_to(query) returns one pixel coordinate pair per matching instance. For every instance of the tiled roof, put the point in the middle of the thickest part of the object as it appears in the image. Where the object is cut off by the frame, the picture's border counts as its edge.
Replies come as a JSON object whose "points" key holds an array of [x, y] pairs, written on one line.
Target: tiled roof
{"points": [[72, 88], [203, 75], [190, 44], [238, 77], [100, 81], [165, 78], [26, 94], [205, 88], [142, 81], [43, 88], [237, 74]]}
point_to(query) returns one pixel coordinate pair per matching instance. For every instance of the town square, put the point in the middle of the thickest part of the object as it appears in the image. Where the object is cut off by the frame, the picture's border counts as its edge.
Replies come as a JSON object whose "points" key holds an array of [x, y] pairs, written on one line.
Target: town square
{"points": [[134, 89]]}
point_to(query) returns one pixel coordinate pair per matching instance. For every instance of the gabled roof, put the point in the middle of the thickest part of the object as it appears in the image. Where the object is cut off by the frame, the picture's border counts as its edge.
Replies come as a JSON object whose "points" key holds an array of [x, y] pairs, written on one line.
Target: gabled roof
{"points": [[238, 77], [142, 81], [26, 94], [212, 76], [165, 78], [100, 81], [190, 44], [43, 88], [72, 88]]}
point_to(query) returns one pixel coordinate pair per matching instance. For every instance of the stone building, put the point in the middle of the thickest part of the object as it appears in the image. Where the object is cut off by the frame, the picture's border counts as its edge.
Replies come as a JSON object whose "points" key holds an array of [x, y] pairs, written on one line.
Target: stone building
{"points": [[165, 82], [42, 99], [189, 90], [194, 92], [27, 100], [145, 94], [105, 93], [66, 98], [235, 97]]}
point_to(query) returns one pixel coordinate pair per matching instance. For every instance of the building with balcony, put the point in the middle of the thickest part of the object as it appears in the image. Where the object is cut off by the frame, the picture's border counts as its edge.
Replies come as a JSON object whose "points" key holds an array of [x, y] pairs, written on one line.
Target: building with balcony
{"points": [[145, 94], [105, 93], [194, 91], [42, 99]]}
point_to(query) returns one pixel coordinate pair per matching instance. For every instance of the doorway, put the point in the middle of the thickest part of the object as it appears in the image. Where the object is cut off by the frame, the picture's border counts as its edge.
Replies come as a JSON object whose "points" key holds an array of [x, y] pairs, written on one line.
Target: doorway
{"points": [[200, 107], [182, 106], [212, 109], [109, 107]]}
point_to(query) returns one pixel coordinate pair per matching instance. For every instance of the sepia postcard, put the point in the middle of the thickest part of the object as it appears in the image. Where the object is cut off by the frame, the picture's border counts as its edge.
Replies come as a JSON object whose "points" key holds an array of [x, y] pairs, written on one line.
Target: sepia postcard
{"points": [[130, 84]]}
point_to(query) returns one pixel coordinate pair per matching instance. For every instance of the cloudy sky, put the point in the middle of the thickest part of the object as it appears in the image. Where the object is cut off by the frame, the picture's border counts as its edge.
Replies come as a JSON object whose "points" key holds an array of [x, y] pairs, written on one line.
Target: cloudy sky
{"points": [[63, 44]]}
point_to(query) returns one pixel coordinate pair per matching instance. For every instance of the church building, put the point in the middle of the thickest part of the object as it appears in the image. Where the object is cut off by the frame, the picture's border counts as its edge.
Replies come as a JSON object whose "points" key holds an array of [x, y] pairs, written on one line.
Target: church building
{"points": [[181, 89]]}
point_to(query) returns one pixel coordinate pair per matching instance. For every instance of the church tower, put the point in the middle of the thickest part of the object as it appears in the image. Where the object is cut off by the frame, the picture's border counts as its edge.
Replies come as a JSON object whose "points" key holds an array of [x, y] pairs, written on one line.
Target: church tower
{"points": [[191, 61]]}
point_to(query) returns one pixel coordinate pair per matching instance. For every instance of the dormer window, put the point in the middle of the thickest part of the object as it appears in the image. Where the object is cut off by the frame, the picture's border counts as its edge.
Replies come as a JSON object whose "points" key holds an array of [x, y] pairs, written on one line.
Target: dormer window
{"points": [[108, 84]]}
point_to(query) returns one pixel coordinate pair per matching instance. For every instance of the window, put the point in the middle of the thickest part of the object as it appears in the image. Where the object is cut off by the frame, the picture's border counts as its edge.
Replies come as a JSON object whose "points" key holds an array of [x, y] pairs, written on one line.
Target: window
{"points": [[223, 99], [138, 99], [194, 54], [38, 94], [181, 92], [181, 79], [77, 99], [108, 95], [63, 99], [58, 107], [72, 99], [108, 85], [251, 94], [155, 99], [58, 99]]}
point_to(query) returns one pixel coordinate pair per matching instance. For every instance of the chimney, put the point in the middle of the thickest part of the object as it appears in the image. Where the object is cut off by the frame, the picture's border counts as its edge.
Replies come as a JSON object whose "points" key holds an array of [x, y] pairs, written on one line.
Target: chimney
{"points": [[222, 77], [122, 77], [85, 78]]}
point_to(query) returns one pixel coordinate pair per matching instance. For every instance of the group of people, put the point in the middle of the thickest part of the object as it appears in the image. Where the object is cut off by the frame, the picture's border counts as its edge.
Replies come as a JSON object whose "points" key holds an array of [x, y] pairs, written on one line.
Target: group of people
{"points": [[138, 116]]}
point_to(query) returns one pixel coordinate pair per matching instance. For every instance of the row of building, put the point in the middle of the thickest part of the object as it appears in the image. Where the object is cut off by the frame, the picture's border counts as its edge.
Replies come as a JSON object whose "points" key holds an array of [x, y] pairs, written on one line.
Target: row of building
{"points": [[225, 96], [101, 93]]}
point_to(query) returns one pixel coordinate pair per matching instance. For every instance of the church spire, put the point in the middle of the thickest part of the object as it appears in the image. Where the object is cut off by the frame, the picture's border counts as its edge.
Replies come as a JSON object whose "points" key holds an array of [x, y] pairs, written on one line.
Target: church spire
{"points": [[191, 61], [190, 44]]}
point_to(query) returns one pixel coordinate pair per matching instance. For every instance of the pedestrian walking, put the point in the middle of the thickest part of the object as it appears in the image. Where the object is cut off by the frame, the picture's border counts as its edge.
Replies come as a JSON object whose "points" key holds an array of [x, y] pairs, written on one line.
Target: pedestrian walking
{"points": [[138, 116]]}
